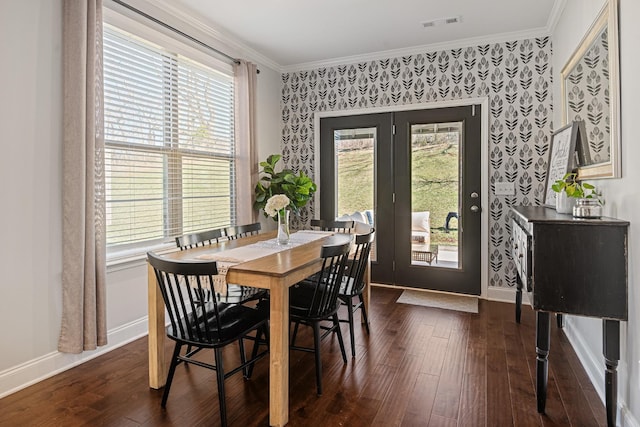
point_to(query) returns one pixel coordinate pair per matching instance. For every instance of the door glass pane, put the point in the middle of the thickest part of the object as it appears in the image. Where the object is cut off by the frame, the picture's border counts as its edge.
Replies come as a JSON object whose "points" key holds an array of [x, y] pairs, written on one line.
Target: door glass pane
{"points": [[435, 188], [355, 174]]}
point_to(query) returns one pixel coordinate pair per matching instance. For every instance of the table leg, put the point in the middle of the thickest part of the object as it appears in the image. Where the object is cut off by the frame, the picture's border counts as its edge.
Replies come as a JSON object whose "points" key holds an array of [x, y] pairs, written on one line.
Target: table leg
{"points": [[543, 339], [611, 351], [366, 294], [157, 365], [279, 355]]}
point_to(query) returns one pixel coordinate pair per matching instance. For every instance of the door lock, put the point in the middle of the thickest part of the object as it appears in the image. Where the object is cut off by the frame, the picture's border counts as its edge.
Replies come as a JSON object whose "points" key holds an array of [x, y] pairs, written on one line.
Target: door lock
{"points": [[475, 209]]}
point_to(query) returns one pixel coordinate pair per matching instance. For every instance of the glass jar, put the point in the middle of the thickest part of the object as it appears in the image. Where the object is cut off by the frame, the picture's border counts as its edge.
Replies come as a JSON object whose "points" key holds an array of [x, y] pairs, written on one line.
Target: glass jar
{"points": [[587, 208]]}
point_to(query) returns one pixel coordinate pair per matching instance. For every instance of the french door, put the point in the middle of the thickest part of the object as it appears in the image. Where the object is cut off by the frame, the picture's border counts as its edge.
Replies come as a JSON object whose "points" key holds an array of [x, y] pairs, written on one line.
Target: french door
{"points": [[416, 176]]}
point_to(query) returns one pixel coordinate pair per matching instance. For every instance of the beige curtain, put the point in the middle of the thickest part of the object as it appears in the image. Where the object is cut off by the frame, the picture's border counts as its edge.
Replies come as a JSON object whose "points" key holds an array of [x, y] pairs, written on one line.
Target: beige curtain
{"points": [[84, 325], [246, 150]]}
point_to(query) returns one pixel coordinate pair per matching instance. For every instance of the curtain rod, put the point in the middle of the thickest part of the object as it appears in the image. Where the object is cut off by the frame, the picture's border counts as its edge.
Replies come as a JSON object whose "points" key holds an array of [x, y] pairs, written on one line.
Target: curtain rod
{"points": [[175, 30]]}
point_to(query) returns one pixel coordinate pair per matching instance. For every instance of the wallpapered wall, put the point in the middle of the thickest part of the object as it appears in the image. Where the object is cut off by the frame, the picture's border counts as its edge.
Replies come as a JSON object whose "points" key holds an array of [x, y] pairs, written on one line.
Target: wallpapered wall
{"points": [[516, 78]]}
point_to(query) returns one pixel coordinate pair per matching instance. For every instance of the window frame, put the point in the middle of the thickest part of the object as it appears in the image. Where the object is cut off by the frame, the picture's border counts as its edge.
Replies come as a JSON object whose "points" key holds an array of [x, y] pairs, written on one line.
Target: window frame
{"points": [[136, 251]]}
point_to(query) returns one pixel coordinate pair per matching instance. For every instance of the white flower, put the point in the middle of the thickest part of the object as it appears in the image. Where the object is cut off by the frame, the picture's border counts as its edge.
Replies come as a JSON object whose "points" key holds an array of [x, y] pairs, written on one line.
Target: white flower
{"points": [[275, 203]]}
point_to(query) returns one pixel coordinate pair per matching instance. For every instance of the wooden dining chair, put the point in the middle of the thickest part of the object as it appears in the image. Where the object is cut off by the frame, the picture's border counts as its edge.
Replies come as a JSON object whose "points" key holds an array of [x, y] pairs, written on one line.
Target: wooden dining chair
{"points": [[202, 238], [313, 302], [238, 231], [205, 325], [353, 283], [336, 225]]}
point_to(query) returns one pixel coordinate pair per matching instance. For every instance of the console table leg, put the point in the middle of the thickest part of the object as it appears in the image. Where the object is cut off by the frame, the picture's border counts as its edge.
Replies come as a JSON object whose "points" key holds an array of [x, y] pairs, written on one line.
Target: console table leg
{"points": [[559, 320], [543, 339], [611, 351], [518, 304]]}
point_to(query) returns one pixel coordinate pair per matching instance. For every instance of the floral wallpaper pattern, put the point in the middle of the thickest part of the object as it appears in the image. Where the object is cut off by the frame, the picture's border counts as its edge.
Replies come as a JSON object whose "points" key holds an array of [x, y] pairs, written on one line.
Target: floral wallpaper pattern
{"points": [[515, 76]]}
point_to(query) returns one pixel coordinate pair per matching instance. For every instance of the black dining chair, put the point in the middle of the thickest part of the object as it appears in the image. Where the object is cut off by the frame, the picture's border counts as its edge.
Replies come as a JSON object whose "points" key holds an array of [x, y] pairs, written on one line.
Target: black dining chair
{"points": [[313, 302], [202, 238], [234, 294], [336, 225], [353, 283], [202, 325], [238, 231]]}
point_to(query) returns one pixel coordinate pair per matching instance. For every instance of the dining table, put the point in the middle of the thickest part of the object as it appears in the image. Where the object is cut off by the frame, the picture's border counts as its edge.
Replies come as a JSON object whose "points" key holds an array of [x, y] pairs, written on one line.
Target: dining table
{"points": [[276, 272]]}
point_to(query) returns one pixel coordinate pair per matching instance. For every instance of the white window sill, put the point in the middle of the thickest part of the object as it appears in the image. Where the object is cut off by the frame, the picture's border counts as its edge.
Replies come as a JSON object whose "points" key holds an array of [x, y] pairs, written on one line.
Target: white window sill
{"points": [[131, 258]]}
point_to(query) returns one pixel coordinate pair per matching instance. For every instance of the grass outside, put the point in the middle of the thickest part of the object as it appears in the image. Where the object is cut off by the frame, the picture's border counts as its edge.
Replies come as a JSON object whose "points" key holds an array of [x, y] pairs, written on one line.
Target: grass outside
{"points": [[434, 184]]}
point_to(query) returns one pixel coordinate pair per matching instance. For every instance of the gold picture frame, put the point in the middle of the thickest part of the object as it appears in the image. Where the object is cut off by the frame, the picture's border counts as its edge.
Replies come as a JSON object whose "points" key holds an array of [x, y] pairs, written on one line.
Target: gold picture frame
{"points": [[591, 92]]}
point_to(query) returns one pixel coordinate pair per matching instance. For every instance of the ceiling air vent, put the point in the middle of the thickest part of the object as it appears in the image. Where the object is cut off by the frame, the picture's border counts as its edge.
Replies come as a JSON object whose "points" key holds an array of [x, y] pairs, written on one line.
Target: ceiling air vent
{"points": [[442, 21]]}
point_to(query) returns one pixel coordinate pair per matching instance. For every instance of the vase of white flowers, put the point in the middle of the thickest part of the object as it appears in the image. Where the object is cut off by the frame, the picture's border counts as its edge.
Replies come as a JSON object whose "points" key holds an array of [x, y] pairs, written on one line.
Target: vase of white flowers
{"points": [[277, 205]]}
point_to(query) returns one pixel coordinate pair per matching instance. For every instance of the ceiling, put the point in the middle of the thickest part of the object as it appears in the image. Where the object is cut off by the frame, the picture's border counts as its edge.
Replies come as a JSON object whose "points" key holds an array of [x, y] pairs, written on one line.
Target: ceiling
{"points": [[292, 33]]}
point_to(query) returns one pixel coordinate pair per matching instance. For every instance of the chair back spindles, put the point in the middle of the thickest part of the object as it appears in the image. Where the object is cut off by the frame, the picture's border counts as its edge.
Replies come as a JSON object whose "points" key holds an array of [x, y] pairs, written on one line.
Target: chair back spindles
{"points": [[239, 231], [193, 240], [337, 225], [354, 282], [192, 319], [327, 286], [354, 276], [235, 293]]}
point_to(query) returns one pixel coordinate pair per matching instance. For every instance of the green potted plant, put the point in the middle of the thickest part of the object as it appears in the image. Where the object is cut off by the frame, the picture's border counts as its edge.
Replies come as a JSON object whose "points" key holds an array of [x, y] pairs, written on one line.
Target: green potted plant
{"points": [[569, 189], [298, 188]]}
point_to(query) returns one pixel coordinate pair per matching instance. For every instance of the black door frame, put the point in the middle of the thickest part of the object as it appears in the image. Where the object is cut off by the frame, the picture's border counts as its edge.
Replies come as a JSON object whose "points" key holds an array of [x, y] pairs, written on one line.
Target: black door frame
{"points": [[484, 103], [464, 279]]}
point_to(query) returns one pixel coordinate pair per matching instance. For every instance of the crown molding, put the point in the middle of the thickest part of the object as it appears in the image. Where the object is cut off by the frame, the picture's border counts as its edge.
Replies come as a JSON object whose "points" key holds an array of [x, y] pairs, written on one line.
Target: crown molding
{"points": [[228, 42], [394, 53], [240, 49], [554, 16]]}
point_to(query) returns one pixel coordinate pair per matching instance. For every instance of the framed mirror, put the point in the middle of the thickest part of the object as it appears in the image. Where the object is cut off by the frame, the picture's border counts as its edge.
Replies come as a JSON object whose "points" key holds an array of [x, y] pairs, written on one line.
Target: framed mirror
{"points": [[591, 93]]}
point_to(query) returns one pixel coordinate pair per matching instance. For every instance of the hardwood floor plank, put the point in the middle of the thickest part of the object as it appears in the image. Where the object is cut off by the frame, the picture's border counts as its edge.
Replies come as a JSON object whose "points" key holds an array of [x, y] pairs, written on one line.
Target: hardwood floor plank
{"points": [[521, 387], [589, 391], [555, 414], [449, 391], [418, 410], [573, 398], [440, 421], [434, 359], [419, 367], [394, 406], [373, 394], [498, 397], [473, 401]]}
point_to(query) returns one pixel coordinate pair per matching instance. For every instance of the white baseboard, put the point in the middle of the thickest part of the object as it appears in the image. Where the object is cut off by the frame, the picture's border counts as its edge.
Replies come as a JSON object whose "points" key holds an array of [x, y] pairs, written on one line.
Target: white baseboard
{"points": [[41, 368], [593, 364], [502, 295]]}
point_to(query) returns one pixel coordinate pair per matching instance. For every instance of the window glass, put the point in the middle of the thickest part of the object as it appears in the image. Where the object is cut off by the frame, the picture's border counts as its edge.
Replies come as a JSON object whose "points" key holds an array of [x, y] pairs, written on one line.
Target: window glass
{"points": [[169, 143]]}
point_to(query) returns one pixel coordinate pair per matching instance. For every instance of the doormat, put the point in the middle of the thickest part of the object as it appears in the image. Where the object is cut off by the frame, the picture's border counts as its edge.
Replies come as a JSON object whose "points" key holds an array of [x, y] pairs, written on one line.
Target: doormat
{"points": [[467, 304]]}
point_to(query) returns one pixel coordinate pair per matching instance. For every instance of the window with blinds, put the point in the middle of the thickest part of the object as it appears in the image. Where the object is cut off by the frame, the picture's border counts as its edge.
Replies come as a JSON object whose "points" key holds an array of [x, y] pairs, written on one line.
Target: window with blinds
{"points": [[169, 144]]}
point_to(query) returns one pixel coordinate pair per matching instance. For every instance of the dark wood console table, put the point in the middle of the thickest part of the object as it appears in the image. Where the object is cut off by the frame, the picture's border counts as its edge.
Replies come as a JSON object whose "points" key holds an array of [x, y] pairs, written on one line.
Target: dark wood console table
{"points": [[576, 266]]}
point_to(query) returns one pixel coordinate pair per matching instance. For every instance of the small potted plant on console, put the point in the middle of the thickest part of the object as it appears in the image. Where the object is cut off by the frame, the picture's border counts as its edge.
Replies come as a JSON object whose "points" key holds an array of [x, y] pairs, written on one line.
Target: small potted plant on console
{"points": [[577, 197]]}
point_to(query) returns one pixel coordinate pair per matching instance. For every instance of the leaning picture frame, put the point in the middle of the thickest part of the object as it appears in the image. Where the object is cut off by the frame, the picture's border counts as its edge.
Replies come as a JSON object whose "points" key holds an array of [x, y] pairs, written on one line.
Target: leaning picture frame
{"points": [[562, 158]]}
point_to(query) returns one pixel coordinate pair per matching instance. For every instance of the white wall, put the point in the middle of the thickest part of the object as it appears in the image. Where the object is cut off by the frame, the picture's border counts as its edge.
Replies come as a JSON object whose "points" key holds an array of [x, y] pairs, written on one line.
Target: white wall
{"points": [[269, 123], [30, 185], [622, 196], [30, 178]]}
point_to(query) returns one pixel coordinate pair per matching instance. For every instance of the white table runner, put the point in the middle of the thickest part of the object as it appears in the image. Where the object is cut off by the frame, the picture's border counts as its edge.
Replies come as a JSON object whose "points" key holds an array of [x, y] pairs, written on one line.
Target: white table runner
{"points": [[231, 257]]}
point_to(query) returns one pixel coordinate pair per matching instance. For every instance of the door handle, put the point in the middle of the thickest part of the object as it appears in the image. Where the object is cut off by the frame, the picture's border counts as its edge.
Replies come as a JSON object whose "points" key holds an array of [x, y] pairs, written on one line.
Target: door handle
{"points": [[475, 209]]}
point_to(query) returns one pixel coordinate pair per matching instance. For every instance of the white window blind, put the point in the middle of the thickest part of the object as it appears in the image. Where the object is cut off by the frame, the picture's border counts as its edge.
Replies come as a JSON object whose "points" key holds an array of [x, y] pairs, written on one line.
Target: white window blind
{"points": [[169, 144]]}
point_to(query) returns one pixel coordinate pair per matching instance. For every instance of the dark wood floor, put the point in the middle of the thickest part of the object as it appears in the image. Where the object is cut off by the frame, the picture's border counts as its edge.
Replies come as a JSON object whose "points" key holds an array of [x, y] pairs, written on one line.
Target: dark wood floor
{"points": [[419, 367]]}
